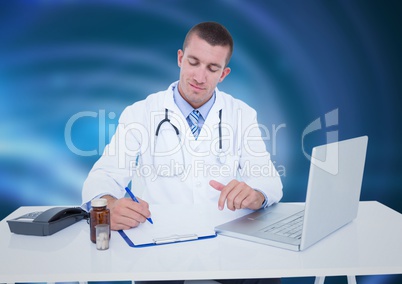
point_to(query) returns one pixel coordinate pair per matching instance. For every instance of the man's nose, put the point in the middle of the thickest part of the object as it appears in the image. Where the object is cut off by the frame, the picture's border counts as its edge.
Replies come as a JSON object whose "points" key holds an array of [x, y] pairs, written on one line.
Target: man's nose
{"points": [[200, 75]]}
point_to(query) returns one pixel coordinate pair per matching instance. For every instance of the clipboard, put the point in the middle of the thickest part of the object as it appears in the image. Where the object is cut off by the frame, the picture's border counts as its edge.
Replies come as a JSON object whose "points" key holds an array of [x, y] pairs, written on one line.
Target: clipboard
{"points": [[173, 223]]}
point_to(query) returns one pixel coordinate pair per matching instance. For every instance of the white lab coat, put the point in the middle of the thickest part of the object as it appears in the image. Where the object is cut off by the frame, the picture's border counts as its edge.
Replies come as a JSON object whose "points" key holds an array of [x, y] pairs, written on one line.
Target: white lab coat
{"points": [[177, 169]]}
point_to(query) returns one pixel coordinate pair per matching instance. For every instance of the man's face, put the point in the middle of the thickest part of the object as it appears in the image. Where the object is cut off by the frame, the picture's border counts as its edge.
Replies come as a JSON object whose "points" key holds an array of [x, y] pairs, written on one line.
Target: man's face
{"points": [[202, 67]]}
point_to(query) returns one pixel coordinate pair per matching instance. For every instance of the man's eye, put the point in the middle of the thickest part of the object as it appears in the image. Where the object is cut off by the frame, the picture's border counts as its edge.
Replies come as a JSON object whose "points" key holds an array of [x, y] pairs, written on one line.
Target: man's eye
{"points": [[213, 69], [192, 62]]}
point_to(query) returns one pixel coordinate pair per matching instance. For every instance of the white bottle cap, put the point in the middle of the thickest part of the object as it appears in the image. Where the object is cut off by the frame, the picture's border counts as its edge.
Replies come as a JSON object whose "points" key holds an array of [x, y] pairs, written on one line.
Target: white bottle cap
{"points": [[99, 202]]}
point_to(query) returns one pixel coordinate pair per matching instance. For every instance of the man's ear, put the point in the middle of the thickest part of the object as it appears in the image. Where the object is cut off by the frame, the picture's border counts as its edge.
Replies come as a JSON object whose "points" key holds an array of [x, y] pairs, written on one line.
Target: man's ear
{"points": [[225, 72], [180, 54]]}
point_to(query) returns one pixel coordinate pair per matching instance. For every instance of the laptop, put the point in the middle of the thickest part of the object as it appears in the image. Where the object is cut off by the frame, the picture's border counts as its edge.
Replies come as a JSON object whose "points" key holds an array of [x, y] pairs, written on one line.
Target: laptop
{"points": [[332, 201]]}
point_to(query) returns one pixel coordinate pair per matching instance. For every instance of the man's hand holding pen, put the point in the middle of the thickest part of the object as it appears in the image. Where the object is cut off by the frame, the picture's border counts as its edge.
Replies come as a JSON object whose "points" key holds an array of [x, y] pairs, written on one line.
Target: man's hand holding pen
{"points": [[125, 213]]}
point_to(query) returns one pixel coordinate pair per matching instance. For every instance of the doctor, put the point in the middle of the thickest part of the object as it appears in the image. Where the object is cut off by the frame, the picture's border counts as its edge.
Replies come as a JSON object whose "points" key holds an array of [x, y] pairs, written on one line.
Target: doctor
{"points": [[191, 143]]}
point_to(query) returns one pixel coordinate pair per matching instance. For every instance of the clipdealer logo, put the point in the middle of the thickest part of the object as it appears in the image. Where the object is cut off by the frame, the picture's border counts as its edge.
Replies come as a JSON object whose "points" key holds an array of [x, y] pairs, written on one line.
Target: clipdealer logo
{"points": [[108, 129], [328, 123], [102, 127]]}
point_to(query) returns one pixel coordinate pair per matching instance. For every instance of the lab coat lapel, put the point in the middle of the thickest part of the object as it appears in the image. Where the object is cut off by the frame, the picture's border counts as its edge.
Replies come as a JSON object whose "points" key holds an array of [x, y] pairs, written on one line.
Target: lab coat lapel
{"points": [[175, 115], [209, 129], [168, 102], [178, 119]]}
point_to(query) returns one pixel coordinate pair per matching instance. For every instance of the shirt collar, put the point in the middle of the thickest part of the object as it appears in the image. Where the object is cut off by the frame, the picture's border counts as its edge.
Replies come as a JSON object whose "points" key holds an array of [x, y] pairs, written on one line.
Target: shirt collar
{"points": [[186, 108]]}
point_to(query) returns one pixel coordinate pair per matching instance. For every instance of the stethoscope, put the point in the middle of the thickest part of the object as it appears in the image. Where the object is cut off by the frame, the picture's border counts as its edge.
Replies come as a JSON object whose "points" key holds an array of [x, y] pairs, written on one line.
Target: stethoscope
{"points": [[221, 156]]}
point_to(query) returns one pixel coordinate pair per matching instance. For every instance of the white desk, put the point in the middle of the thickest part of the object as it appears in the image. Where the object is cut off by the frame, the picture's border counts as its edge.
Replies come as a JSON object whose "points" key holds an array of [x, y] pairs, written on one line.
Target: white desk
{"points": [[360, 248]]}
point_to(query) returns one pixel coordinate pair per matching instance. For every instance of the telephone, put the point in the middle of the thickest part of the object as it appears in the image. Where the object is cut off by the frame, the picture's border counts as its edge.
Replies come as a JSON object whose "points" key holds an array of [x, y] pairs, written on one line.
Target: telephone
{"points": [[45, 223]]}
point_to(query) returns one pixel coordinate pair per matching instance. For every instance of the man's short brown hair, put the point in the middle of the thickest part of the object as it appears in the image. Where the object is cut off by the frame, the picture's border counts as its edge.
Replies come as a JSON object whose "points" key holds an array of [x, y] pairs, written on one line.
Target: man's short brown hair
{"points": [[213, 33]]}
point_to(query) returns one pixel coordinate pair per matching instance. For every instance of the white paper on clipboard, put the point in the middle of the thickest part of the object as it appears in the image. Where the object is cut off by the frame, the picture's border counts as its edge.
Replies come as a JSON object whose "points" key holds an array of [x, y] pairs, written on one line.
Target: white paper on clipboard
{"points": [[173, 223]]}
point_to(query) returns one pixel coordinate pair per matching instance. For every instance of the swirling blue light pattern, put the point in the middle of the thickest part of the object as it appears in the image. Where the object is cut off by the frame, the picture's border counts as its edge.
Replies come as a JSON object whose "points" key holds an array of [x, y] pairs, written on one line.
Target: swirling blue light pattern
{"points": [[294, 62]]}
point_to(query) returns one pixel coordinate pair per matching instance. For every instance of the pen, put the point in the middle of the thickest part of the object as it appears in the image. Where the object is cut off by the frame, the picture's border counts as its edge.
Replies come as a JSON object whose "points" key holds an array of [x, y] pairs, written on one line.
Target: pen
{"points": [[136, 200]]}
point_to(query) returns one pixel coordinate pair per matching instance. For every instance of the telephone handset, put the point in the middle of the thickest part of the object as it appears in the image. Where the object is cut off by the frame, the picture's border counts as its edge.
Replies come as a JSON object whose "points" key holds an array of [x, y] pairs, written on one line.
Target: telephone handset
{"points": [[45, 223]]}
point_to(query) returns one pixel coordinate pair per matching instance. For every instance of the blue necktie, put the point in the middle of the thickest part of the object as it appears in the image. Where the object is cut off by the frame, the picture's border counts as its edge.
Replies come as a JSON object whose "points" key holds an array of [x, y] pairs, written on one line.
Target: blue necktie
{"points": [[194, 116]]}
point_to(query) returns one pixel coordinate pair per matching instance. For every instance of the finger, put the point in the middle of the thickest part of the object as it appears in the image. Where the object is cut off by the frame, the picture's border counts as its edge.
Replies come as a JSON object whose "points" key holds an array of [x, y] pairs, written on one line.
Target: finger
{"points": [[139, 211], [241, 197], [236, 196], [216, 184], [133, 213], [254, 201], [223, 198], [120, 221], [143, 202], [219, 186], [124, 223]]}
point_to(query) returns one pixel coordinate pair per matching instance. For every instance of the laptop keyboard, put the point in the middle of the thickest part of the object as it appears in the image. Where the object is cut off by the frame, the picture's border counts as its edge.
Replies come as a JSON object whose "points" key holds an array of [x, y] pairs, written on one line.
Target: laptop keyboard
{"points": [[289, 227]]}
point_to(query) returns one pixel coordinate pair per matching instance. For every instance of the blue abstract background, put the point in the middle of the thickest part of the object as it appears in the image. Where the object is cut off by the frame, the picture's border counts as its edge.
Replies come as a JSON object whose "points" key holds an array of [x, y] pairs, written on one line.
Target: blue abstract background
{"points": [[68, 69]]}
